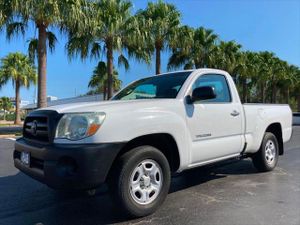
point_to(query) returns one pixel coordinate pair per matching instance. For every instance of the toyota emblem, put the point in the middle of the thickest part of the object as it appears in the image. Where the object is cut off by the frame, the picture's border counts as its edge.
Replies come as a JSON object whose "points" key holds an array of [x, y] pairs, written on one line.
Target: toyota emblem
{"points": [[34, 128]]}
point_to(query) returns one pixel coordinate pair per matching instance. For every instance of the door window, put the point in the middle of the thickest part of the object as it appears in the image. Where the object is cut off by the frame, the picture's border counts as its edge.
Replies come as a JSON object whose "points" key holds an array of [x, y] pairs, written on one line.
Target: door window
{"points": [[218, 83]]}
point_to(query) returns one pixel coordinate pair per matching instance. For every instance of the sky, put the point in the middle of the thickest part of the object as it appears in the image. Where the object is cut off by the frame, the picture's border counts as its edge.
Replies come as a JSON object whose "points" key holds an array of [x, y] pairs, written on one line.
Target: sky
{"points": [[258, 25]]}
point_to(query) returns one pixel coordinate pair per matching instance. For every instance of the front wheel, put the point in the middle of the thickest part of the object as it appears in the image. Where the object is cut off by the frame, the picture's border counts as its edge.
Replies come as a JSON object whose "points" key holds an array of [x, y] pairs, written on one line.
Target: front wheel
{"points": [[141, 180], [267, 157]]}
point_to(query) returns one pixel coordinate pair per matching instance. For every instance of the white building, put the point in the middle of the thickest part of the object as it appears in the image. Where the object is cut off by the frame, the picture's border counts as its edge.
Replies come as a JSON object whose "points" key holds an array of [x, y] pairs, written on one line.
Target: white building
{"points": [[51, 98], [23, 103]]}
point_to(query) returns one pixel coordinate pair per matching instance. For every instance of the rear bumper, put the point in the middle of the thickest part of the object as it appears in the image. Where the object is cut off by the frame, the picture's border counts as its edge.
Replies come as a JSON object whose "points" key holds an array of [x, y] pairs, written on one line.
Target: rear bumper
{"points": [[63, 166]]}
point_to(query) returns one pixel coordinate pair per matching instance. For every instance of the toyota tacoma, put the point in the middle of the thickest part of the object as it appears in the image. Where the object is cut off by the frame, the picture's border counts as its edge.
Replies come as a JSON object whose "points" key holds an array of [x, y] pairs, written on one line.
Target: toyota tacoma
{"points": [[154, 127]]}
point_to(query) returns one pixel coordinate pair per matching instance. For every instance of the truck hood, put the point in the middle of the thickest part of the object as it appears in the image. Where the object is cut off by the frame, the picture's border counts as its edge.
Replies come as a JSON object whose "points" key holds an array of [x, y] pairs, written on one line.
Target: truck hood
{"points": [[106, 106]]}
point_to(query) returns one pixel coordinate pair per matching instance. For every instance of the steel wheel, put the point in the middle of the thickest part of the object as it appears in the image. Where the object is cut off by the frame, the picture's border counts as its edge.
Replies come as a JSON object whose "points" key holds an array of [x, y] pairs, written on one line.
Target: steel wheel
{"points": [[146, 182], [266, 158], [141, 180], [270, 152]]}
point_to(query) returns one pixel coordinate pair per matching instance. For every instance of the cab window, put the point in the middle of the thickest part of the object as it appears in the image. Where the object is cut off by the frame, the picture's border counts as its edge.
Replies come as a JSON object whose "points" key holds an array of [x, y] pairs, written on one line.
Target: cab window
{"points": [[218, 83]]}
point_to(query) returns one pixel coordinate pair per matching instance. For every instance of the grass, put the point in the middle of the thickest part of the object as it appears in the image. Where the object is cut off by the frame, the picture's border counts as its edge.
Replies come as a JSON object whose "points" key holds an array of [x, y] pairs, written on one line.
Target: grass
{"points": [[10, 125], [6, 125], [16, 135]]}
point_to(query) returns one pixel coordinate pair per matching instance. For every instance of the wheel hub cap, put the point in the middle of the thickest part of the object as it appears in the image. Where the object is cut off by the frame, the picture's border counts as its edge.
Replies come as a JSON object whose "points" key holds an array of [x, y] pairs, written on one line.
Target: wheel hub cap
{"points": [[270, 152], [146, 180]]}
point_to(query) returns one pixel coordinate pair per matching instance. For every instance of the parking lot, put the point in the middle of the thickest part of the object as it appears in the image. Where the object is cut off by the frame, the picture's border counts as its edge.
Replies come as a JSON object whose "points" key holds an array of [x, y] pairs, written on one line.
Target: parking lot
{"points": [[231, 192]]}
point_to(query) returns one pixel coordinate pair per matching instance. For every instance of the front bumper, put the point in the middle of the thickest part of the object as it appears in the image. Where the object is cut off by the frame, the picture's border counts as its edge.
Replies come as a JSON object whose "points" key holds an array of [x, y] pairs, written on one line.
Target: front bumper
{"points": [[64, 166]]}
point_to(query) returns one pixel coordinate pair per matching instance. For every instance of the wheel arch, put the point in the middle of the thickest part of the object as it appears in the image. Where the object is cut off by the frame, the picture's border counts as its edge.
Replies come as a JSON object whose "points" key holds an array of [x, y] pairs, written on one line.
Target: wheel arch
{"points": [[276, 129], [164, 142]]}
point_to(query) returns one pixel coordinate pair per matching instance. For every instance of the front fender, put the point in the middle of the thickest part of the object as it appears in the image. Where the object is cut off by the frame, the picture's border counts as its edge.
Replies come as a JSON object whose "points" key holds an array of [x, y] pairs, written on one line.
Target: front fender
{"points": [[125, 122], [126, 126]]}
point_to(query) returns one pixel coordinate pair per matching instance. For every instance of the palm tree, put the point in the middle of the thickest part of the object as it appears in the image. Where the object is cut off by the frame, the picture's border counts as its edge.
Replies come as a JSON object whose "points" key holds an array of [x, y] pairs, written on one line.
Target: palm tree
{"points": [[161, 21], [5, 14], [98, 81], [289, 83], [227, 56], [18, 68], [272, 72], [2, 14], [246, 67], [280, 73], [44, 15], [297, 87], [181, 49], [264, 72], [5, 105], [193, 48], [109, 27]]}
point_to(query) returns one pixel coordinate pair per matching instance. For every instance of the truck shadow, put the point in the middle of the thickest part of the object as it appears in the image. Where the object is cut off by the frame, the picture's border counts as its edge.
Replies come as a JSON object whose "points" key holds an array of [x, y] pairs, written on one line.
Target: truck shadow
{"points": [[207, 173], [25, 201]]}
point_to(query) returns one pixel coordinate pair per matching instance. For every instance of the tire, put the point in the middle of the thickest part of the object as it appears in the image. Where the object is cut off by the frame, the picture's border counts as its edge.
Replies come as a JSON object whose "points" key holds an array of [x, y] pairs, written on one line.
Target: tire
{"points": [[141, 172], [267, 157]]}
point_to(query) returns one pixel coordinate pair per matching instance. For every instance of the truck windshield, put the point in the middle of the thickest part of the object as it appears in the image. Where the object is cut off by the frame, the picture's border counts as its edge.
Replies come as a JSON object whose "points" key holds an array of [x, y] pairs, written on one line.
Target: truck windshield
{"points": [[162, 86]]}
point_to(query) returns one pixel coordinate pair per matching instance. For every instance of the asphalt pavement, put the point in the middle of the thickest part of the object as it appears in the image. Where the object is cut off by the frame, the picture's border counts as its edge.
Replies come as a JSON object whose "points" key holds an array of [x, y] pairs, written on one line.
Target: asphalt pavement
{"points": [[229, 193]]}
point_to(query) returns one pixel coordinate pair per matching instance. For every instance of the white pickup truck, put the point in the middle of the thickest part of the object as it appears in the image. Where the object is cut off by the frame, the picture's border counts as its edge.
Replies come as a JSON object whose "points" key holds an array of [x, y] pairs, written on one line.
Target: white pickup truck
{"points": [[152, 128]]}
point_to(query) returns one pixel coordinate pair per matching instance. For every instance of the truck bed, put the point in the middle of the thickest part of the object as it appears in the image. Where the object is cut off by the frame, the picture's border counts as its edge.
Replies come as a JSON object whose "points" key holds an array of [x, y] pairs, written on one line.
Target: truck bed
{"points": [[260, 115]]}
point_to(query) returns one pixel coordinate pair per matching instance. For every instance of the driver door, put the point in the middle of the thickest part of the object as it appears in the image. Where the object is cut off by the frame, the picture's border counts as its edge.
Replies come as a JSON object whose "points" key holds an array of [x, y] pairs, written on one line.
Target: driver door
{"points": [[216, 124]]}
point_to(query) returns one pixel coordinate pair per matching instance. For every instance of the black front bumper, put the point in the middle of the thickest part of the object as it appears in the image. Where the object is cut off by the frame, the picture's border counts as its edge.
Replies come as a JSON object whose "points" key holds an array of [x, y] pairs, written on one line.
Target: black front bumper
{"points": [[64, 166]]}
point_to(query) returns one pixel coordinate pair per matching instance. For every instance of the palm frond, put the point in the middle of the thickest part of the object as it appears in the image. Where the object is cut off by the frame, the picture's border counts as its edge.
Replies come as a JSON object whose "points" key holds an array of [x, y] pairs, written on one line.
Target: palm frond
{"points": [[79, 46], [14, 29], [177, 59], [96, 50], [32, 49], [123, 61], [52, 40]]}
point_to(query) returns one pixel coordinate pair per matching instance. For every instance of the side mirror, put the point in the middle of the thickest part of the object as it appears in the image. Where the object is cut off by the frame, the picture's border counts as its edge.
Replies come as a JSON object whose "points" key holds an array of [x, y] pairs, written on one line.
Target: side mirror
{"points": [[202, 93]]}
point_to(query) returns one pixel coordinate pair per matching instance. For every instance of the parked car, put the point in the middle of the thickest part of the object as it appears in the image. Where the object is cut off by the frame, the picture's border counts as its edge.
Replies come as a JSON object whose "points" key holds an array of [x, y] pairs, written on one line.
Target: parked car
{"points": [[152, 128]]}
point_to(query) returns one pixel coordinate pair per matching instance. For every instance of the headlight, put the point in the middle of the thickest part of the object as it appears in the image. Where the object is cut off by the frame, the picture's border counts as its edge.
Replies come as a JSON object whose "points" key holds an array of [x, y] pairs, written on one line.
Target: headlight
{"points": [[76, 126]]}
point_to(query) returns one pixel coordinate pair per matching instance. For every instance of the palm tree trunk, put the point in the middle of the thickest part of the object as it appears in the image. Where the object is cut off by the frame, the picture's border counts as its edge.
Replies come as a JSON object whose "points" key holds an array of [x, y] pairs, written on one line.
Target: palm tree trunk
{"points": [[42, 64], [104, 91], [158, 60], [17, 112], [262, 93], [274, 93], [109, 69], [285, 95], [244, 94], [298, 103]]}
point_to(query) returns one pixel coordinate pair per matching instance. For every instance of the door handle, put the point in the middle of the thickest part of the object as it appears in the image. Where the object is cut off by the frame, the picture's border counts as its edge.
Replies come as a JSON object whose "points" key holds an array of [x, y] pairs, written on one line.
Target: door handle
{"points": [[235, 113]]}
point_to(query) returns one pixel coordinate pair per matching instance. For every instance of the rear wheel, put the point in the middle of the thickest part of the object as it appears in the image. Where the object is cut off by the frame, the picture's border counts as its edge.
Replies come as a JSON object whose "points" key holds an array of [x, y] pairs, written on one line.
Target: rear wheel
{"points": [[267, 157], [141, 180]]}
